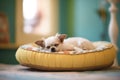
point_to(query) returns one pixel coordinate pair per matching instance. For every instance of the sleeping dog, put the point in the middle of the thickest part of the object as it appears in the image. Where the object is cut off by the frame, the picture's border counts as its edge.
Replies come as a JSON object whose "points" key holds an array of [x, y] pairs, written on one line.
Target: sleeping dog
{"points": [[60, 43]]}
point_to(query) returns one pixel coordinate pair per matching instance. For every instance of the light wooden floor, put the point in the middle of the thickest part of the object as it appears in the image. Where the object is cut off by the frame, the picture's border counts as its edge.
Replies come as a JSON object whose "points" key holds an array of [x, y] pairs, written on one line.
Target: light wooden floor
{"points": [[18, 72]]}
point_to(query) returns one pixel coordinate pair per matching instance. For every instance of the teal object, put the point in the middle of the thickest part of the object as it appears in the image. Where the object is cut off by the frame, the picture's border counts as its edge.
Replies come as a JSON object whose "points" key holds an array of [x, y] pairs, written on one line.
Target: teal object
{"points": [[7, 56], [66, 9], [87, 22], [8, 7]]}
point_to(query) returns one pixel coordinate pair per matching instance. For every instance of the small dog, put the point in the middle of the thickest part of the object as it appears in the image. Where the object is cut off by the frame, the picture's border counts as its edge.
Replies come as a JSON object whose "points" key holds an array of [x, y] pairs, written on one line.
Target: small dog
{"points": [[59, 43]]}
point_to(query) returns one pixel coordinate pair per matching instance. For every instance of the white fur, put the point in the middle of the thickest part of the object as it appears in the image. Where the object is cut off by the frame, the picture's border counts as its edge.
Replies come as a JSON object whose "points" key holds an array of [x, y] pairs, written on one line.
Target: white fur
{"points": [[68, 44], [71, 43]]}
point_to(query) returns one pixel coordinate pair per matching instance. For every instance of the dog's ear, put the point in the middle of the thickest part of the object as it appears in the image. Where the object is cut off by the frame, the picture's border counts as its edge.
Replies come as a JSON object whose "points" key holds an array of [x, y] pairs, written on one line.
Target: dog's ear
{"points": [[40, 43], [61, 37]]}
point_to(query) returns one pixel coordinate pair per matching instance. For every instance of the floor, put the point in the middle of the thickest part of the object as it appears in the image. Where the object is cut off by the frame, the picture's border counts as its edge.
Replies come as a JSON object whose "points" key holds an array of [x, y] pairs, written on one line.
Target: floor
{"points": [[18, 72]]}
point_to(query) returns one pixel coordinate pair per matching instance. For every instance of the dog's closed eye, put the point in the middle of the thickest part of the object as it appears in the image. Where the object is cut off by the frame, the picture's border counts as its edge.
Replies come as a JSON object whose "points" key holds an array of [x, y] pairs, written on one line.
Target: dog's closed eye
{"points": [[48, 47], [56, 45]]}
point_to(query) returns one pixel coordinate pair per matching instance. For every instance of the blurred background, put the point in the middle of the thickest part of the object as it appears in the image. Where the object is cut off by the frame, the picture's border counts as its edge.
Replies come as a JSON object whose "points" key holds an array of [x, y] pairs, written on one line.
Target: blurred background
{"points": [[82, 18]]}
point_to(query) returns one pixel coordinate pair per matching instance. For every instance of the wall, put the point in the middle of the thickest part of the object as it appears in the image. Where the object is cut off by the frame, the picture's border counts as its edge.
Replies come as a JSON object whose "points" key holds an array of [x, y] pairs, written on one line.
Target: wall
{"points": [[66, 14], [8, 7], [118, 21], [8, 56], [86, 21]]}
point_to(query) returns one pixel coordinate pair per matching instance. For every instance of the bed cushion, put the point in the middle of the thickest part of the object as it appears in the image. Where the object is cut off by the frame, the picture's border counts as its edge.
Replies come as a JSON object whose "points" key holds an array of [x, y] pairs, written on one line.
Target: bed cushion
{"points": [[102, 57]]}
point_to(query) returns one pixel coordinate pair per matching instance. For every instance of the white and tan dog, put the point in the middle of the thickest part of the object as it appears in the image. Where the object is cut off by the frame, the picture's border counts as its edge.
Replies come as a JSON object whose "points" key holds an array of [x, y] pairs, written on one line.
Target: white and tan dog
{"points": [[59, 43]]}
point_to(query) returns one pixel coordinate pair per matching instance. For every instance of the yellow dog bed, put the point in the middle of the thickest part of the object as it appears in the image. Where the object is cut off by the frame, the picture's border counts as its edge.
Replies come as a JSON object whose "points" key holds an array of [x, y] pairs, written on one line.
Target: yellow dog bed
{"points": [[89, 60]]}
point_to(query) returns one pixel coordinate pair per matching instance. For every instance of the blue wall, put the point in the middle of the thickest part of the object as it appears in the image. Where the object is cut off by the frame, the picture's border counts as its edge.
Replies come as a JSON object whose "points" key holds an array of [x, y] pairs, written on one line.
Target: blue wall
{"points": [[8, 7], [66, 21], [118, 19], [8, 56], [81, 19], [86, 21]]}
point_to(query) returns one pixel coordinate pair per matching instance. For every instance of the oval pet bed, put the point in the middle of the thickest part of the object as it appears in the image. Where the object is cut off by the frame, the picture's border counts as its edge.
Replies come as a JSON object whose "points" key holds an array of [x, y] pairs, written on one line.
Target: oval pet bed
{"points": [[102, 57]]}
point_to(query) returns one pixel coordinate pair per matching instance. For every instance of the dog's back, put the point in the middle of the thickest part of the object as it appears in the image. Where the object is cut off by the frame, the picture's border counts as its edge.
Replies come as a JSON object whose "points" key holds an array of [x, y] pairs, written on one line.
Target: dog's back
{"points": [[80, 42]]}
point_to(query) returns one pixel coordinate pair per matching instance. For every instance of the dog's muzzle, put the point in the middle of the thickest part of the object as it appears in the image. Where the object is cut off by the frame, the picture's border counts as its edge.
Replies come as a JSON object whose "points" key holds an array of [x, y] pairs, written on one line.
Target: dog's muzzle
{"points": [[53, 49]]}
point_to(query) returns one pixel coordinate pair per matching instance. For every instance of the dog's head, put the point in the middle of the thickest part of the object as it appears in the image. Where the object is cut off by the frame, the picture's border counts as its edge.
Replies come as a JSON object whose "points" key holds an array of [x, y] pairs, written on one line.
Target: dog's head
{"points": [[52, 43]]}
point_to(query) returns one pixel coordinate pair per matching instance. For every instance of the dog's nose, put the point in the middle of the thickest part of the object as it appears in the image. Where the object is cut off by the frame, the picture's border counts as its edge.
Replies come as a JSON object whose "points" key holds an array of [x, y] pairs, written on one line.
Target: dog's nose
{"points": [[53, 49]]}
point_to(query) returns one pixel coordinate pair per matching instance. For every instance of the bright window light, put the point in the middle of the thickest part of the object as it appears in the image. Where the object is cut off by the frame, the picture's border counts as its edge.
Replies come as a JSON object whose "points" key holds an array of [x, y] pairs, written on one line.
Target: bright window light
{"points": [[29, 8], [37, 19]]}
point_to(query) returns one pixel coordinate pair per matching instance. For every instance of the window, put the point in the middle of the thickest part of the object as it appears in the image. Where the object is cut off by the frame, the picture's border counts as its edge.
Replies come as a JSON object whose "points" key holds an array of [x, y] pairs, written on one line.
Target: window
{"points": [[35, 19], [36, 16]]}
